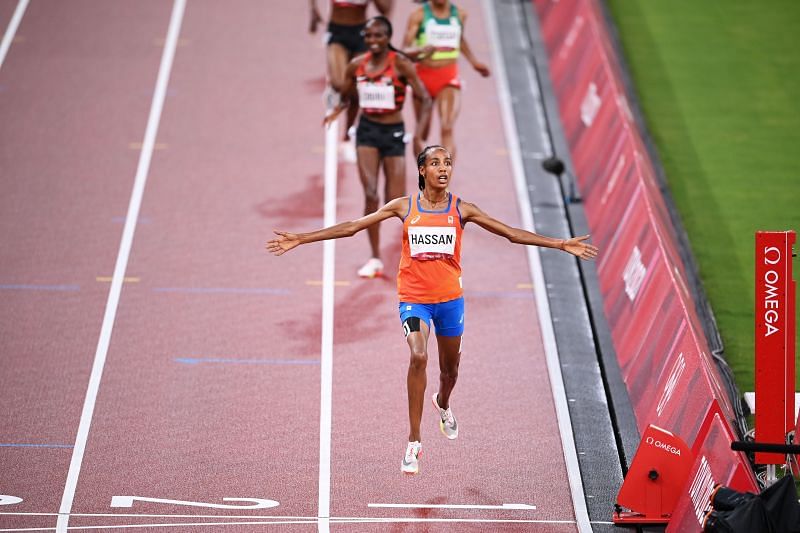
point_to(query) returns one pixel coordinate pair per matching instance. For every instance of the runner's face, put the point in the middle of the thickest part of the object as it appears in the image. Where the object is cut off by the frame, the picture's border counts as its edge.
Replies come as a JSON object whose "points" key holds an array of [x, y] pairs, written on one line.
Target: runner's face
{"points": [[439, 3], [438, 169], [376, 38]]}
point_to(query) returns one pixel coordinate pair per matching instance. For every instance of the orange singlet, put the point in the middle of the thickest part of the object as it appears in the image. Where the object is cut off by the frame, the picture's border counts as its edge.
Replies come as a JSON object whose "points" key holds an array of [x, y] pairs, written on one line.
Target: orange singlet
{"points": [[430, 262]]}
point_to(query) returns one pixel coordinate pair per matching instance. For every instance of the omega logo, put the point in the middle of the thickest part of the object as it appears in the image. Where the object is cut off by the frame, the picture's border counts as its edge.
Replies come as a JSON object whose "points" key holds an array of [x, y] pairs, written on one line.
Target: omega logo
{"points": [[663, 445]]}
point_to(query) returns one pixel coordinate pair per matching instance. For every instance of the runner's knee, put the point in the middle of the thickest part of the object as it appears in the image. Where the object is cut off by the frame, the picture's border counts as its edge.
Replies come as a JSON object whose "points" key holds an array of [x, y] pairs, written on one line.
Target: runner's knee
{"points": [[447, 130], [371, 198], [450, 374], [419, 359]]}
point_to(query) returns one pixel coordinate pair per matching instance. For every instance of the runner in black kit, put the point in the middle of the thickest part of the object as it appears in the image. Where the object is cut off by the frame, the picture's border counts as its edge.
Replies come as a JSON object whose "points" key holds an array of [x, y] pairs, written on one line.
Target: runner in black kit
{"points": [[381, 76], [344, 41]]}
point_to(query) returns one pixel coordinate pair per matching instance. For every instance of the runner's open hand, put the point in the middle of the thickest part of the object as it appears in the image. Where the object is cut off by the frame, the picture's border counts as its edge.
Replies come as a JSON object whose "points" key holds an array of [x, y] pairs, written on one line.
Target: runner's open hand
{"points": [[482, 69], [330, 117], [580, 249], [283, 243], [425, 52]]}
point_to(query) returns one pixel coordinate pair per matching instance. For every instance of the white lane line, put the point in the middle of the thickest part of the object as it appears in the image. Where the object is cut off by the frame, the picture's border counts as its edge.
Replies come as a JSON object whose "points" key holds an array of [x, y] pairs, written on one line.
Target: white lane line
{"points": [[542, 305], [326, 360], [121, 265], [348, 520], [254, 516], [505, 506], [291, 518], [170, 524], [11, 30]]}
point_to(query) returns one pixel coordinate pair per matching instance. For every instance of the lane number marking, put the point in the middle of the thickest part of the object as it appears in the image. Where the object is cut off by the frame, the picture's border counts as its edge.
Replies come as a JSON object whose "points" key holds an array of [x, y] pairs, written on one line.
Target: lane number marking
{"points": [[9, 500], [258, 503]]}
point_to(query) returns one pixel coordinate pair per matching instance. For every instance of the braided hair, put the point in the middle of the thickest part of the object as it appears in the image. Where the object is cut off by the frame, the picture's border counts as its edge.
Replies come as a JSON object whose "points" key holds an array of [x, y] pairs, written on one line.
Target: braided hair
{"points": [[422, 157]]}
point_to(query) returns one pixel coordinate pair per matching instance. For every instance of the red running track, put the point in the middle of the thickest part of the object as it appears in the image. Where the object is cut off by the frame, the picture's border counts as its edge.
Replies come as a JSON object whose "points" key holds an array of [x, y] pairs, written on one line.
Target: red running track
{"points": [[211, 384]]}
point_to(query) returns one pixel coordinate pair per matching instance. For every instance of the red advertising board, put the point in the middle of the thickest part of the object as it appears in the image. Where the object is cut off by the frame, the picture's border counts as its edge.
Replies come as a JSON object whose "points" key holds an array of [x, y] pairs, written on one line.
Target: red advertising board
{"points": [[774, 340], [664, 356], [710, 468]]}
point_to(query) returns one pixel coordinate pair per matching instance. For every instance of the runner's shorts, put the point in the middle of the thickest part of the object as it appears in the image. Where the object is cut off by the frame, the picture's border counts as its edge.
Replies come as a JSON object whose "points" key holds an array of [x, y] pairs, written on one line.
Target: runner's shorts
{"points": [[448, 317], [348, 36], [437, 78], [387, 138]]}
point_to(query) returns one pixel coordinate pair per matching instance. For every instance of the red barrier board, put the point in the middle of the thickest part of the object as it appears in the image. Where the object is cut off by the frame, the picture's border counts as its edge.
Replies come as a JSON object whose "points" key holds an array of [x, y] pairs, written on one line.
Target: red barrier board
{"points": [[774, 336], [668, 368], [710, 468]]}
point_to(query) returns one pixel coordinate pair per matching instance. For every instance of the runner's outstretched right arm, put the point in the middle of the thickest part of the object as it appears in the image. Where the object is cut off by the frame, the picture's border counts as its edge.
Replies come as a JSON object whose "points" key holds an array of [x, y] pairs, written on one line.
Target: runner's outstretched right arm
{"points": [[286, 240]]}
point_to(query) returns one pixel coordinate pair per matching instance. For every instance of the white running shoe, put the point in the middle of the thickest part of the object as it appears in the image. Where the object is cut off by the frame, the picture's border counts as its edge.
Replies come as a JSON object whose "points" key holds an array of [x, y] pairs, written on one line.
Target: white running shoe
{"points": [[371, 269], [447, 420], [331, 98], [348, 150], [410, 463]]}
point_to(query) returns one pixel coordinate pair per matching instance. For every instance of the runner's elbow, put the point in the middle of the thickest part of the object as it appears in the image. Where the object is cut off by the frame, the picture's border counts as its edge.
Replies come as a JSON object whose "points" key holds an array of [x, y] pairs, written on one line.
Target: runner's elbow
{"points": [[350, 229], [514, 237]]}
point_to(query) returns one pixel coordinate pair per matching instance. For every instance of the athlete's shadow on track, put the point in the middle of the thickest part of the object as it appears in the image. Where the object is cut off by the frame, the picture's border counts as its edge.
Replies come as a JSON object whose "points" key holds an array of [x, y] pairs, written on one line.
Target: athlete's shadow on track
{"points": [[285, 212]]}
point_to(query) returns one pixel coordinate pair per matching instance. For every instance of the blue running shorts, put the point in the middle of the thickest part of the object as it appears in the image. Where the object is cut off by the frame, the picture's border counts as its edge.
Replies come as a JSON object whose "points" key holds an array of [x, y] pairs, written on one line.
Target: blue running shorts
{"points": [[448, 317]]}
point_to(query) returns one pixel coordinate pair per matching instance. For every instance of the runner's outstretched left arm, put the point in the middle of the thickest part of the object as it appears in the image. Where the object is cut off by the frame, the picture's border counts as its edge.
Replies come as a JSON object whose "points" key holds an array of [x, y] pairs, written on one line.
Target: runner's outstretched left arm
{"points": [[574, 245]]}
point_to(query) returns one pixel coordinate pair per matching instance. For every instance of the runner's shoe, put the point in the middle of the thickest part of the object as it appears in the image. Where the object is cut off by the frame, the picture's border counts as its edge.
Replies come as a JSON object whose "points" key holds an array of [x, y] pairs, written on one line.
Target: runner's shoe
{"points": [[447, 421], [372, 269], [410, 464], [348, 150], [331, 98]]}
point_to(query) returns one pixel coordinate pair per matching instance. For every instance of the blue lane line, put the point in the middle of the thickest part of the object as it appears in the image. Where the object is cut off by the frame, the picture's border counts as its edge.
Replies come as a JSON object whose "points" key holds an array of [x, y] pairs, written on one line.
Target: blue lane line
{"points": [[197, 360], [230, 290], [513, 295], [28, 287], [28, 445]]}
